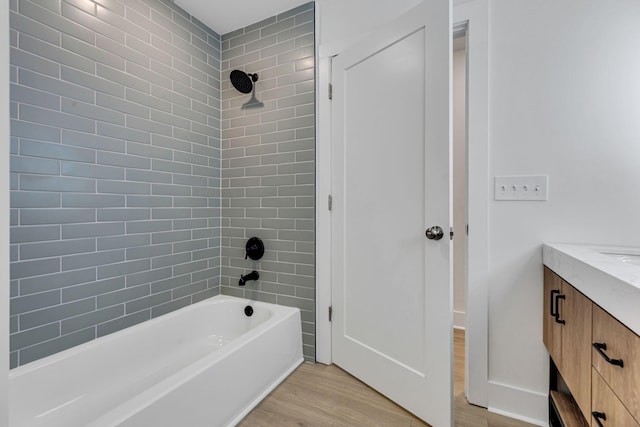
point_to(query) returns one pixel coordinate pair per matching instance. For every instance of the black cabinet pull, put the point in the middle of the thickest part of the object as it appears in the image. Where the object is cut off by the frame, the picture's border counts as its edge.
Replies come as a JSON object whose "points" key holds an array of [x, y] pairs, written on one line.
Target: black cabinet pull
{"points": [[552, 302], [557, 313], [599, 416], [601, 348]]}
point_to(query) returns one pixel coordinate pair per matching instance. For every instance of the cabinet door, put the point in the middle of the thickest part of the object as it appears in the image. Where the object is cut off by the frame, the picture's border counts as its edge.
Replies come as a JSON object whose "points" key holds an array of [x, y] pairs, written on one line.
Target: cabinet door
{"points": [[607, 406], [623, 345], [575, 362], [552, 334]]}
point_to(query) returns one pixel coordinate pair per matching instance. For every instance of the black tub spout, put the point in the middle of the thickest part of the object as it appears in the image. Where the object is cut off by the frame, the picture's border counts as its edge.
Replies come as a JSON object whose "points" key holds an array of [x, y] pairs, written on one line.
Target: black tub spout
{"points": [[254, 275]]}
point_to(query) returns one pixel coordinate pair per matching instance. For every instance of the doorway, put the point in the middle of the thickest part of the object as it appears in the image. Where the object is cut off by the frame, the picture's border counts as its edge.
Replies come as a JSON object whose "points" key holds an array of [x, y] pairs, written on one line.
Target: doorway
{"points": [[473, 16], [460, 204]]}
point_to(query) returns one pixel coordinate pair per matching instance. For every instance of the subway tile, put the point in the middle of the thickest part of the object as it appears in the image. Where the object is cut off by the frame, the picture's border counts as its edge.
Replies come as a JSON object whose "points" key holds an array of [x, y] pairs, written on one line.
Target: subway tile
{"points": [[52, 314], [91, 171], [148, 125], [33, 336], [35, 131], [189, 267], [170, 260], [127, 214], [108, 44], [122, 323], [120, 132], [27, 95], [54, 20], [52, 183], [55, 151], [33, 302], [147, 176], [170, 213], [57, 248], [92, 23], [145, 150], [171, 283], [88, 50], [74, 231], [123, 160], [306, 40], [34, 199], [56, 54], [113, 270], [148, 201], [22, 269], [127, 80], [21, 23], [88, 140], [28, 61], [74, 262], [171, 236], [136, 279], [120, 242], [92, 201], [148, 251], [93, 288], [148, 226], [54, 86], [56, 216], [56, 345], [118, 104], [170, 306], [91, 319], [147, 301], [299, 30], [53, 118], [35, 234]]}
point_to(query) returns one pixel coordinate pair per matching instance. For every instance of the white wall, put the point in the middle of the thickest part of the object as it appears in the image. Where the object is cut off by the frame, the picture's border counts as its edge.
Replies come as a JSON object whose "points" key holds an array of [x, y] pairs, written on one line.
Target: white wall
{"points": [[459, 187], [564, 96], [4, 214]]}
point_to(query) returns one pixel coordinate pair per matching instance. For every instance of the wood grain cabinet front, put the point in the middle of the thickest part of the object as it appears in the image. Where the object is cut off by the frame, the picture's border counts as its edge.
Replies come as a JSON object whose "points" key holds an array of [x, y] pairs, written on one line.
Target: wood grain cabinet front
{"points": [[607, 408], [567, 335], [616, 358]]}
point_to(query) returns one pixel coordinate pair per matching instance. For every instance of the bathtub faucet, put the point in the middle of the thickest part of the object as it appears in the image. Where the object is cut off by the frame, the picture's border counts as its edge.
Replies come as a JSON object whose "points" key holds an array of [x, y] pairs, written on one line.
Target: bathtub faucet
{"points": [[254, 275]]}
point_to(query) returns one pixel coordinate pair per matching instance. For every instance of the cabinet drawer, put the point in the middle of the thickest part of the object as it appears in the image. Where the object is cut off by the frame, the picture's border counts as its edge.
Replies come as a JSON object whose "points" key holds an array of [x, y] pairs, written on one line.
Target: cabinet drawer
{"points": [[605, 403], [621, 345]]}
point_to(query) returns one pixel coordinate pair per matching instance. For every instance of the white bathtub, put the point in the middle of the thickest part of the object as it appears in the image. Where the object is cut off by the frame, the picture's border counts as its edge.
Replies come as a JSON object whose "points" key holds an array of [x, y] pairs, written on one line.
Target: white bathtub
{"points": [[204, 365]]}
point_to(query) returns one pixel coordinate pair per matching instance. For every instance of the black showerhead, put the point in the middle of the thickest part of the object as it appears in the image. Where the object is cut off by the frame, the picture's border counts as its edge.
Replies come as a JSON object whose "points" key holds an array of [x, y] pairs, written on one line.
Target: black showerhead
{"points": [[243, 81]]}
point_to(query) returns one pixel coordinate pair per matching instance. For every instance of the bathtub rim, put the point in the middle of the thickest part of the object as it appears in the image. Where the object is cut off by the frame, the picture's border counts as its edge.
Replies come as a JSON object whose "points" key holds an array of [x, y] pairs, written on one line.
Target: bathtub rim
{"points": [[217, 299]]}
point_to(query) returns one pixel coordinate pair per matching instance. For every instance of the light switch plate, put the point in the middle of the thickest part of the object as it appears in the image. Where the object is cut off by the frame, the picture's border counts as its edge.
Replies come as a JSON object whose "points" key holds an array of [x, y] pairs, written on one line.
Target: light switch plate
{"points": [[528, 187]]}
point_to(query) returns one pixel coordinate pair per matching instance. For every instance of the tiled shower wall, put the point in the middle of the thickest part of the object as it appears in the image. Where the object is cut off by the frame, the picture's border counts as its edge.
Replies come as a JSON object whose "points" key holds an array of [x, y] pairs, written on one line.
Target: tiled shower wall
{"points": [[268, 163], [115, 168]]}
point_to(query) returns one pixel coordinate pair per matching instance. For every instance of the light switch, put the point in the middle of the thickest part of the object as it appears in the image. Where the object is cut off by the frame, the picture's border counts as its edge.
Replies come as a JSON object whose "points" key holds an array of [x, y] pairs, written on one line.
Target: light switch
{"points": [[528, 187]]}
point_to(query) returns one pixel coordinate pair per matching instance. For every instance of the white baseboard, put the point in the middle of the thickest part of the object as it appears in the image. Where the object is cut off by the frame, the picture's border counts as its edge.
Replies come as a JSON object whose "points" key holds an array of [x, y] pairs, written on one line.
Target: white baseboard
{"points": [[459, 319], [520, 404]]}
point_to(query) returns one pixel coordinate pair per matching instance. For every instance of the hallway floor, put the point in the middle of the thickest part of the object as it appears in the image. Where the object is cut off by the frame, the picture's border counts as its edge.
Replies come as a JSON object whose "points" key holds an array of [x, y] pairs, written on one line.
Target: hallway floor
{"points": [[320, 395]]}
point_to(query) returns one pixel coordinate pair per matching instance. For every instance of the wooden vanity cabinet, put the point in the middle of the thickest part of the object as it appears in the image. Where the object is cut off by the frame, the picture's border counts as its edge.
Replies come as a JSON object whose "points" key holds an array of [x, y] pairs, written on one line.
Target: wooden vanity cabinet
{"points": [[596, 356], [567, 335]]}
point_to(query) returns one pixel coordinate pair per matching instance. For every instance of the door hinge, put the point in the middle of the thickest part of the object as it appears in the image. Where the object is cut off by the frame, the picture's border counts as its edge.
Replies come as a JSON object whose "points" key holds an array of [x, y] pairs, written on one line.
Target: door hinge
{"points": [[330, 202], [330, 91], [450, 233], [467, 229], [330, 312]]}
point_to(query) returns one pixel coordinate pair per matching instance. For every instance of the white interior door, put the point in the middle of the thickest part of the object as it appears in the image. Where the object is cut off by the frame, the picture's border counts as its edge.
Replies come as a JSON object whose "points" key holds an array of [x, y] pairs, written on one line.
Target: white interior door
{"points": [[391, 139]]}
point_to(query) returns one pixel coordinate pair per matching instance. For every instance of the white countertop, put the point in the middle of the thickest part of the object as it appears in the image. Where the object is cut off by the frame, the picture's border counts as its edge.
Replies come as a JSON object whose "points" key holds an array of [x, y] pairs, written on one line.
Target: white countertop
{"points": [[611, 281]]}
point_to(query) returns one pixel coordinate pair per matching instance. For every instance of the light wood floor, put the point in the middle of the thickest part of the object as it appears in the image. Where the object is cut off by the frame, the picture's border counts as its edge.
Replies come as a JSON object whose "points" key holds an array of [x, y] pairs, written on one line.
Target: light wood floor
{"points": [[320, 395]]}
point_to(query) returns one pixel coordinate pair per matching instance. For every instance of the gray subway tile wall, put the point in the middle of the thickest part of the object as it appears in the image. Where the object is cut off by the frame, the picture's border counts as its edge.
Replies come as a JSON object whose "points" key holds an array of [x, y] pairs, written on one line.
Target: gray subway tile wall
{"points": [[268, 163], [115, 204]]}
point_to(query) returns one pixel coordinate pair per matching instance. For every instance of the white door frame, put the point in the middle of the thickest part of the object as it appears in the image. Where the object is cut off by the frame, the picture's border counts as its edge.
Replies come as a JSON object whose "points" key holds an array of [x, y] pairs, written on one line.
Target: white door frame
{"points": [[475, 14]]}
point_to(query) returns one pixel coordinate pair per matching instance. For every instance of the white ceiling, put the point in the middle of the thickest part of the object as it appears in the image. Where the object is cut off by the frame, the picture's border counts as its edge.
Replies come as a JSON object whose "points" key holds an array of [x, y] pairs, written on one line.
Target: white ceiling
{"points": [[224, 16]]}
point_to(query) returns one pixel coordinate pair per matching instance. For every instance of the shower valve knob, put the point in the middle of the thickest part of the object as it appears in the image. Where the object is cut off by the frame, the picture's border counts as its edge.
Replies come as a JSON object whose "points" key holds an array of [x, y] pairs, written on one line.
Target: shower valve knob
{"points": [[434, 233]]}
